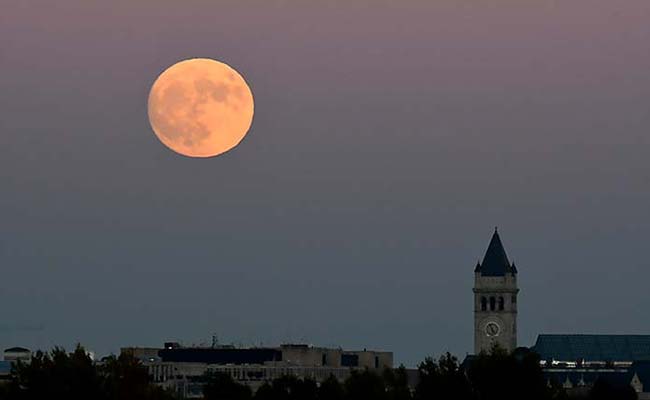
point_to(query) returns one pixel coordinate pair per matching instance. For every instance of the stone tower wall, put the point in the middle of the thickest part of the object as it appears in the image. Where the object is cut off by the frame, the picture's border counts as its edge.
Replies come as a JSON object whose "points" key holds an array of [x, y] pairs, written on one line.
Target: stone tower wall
{"points": [[495, 287]]}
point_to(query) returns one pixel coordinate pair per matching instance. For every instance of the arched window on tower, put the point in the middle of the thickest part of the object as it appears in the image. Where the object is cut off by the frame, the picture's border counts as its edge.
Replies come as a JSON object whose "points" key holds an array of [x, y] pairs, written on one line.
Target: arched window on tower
{"points": [[483, 304], [493, 302], [501, 303]]}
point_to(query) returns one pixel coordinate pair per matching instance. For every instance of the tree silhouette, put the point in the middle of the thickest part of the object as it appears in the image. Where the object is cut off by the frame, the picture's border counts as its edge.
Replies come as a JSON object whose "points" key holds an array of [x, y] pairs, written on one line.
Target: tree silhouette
{"points": [[288, 388], [125, 378], [56, 375], [330, 389], [442, 379], [365, 385], [500, 375], [497, 375], [74, 376], [220, 386], [397, 384]]}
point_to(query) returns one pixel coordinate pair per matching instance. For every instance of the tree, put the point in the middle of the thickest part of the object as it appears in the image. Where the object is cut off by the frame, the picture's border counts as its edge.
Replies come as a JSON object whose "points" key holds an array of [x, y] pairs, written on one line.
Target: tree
{"points": [[500, 375], [365, 385], [75, 376], [288, 387], [397, 384], [220, 386], [330, 389], [56, 375], [125, 378], [264, 392], [442, 379]]}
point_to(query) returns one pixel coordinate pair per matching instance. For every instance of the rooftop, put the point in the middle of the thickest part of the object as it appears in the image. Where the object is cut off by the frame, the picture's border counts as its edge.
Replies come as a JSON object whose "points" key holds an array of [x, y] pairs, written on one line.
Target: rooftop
{"points": [[495, 262], [593, 347], [17, 350]]}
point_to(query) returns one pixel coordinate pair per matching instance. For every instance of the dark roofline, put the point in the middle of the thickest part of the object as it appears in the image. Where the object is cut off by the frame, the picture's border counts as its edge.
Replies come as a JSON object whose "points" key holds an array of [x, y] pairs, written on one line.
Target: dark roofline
{"points": [[17, 350], [593, 347]]}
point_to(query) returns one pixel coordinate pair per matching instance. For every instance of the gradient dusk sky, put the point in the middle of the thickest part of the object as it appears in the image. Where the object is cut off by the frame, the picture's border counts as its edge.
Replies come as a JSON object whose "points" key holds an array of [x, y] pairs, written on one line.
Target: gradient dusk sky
{"points": [[390, 137]]}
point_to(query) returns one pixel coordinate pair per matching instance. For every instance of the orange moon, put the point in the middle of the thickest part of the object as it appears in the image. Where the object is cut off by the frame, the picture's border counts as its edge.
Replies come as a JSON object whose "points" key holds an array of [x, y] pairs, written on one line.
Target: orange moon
{"points": [[200, 107]]}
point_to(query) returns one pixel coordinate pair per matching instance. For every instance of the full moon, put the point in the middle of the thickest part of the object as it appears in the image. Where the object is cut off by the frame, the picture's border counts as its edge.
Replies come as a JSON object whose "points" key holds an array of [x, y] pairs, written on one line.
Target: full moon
{"points": [[200, 107]]}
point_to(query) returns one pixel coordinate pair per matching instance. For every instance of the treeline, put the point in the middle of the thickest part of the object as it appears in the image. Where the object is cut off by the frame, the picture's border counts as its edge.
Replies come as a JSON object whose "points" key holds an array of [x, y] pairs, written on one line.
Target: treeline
{"points": [[495, 376], [75, 376], [498, 376]]}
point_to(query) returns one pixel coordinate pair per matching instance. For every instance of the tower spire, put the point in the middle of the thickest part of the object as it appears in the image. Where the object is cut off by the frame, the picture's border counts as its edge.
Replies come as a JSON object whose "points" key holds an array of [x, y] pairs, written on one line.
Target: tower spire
{"points": [[495, 262]]}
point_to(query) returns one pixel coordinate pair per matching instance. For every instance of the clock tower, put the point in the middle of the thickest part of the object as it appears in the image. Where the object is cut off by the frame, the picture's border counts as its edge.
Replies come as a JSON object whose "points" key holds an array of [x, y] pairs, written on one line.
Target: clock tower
{"points": [[495, 300]]}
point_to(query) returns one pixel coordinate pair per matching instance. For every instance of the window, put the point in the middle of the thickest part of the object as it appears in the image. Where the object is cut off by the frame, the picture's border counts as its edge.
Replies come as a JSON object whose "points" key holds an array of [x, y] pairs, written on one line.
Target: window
{"points": [[324, 360], [501, 303], [514, 300], [349, 360], [493, 303], [376, 362], [483, 304]]}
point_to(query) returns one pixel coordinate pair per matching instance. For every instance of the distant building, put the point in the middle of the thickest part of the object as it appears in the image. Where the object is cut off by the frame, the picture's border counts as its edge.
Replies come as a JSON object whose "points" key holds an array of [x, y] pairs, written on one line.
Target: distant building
{"points": [[17, 353], [585, 350], [577, 361], [181, 369], [144, 354], [11, 355]]}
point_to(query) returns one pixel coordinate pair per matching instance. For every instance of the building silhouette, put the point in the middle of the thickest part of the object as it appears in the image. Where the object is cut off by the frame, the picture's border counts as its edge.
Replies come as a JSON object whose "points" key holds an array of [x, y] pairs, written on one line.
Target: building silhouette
{"points": [[182, 369]]}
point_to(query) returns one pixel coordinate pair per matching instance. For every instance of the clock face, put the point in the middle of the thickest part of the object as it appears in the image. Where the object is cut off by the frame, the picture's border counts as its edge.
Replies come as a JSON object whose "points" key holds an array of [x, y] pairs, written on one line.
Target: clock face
{"points": [[492, 329]]}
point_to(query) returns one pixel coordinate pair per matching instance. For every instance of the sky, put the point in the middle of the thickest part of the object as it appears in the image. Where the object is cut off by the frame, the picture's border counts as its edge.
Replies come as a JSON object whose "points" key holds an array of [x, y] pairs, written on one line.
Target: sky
{"points": [[389, 139]]}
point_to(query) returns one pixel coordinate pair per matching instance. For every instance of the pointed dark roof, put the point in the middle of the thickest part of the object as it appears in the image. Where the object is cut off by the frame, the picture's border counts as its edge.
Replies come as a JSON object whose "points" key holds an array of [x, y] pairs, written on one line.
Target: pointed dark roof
{"points": [[495, 262]]}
